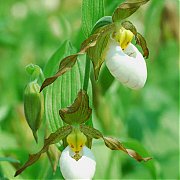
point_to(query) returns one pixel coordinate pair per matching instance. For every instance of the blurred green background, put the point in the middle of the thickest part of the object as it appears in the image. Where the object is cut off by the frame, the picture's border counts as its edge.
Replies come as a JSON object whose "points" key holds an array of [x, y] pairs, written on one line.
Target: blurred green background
{"points": [[31, 31]]}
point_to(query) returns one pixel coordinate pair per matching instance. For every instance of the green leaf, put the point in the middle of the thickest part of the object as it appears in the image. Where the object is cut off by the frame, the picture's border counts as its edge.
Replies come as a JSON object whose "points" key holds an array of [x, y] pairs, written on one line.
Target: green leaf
{"points": [[68, 62], [54, 98], [64, 90], [53, 62], [140, 40], [79, 112], [92, 10], [126, 9], [111, 143], [97, 53], [52, 139]]}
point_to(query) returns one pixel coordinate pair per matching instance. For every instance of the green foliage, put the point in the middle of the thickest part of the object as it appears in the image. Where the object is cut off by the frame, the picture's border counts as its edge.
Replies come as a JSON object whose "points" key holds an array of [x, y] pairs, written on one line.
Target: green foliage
{"points": [[148, 117], [64, 90], [92, 11]]}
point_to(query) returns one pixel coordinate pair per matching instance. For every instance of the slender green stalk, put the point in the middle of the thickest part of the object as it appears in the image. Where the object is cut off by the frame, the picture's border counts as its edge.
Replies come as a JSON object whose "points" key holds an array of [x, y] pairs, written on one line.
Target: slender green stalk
{"points": [[87, 74], [86, 82]]}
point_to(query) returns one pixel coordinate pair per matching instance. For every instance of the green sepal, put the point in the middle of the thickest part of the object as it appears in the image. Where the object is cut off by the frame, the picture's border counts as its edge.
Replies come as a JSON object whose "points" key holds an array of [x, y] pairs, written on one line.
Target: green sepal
{"points": [[111, 143], [97, 52], [79, 112], [140, 40], [52, 139], [126, 9], [129, 26]]}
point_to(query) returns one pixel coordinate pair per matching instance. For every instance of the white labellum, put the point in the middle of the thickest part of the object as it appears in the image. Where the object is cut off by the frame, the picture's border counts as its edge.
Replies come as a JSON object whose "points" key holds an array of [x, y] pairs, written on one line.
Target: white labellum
{"points": [[128, 66], [84, 168]]}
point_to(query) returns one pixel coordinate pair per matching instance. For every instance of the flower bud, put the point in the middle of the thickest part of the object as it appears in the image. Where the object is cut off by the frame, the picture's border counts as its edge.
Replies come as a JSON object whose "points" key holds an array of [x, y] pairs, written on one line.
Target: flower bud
{"points": [[128, 66], [33, 106], [84, 168]]}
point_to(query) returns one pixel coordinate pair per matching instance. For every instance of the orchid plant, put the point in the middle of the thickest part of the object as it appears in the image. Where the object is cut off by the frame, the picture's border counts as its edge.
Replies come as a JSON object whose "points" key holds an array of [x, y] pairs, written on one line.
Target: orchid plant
{"points": [[109, 42]]}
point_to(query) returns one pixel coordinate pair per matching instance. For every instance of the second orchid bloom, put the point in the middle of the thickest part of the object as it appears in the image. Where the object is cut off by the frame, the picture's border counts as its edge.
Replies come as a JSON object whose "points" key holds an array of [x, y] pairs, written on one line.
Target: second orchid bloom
{"points": [[124, 60]]}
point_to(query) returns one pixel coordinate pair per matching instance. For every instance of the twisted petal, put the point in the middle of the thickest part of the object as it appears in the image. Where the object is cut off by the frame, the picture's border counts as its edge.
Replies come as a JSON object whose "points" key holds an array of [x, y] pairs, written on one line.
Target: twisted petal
{"points": [[84, 168], [128, 66]]}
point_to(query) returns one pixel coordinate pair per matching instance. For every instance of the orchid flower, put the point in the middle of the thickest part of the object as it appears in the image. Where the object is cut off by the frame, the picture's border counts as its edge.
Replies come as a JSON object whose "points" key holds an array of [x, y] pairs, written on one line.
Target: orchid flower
{"points": [[109, 42], [77, 161], [125, 62]]}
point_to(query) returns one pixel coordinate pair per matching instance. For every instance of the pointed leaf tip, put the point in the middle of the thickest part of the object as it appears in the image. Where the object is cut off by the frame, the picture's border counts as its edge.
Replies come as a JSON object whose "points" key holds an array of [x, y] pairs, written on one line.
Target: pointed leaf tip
{"points": [[114, 144], [79, 112], [111, 143], [136, 156], [52, 139], [68, 62]]}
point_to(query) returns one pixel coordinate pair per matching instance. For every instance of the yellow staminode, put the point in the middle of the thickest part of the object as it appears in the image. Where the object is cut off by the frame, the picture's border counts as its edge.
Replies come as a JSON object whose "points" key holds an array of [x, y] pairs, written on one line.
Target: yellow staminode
{"points": [[124, 37], [76, 140]]}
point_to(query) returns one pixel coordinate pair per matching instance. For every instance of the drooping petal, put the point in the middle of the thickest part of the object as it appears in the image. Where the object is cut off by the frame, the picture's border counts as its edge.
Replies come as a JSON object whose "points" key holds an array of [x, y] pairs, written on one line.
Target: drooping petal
{"points": [[128, 66], [84, 168]]}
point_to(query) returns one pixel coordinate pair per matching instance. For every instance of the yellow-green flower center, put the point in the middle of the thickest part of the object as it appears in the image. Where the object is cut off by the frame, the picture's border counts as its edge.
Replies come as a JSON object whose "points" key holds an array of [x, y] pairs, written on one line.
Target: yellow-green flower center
{"points": [[76, 140], [124, 37]]}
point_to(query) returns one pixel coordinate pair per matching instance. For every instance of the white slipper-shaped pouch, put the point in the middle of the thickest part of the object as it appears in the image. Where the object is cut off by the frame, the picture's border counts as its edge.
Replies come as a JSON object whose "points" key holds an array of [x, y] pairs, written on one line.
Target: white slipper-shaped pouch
{"points": [[84, 168], [128, 66]]}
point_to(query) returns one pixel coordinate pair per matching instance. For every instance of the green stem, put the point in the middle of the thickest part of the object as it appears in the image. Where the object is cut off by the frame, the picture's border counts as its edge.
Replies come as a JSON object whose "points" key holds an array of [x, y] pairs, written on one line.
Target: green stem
{"points": [[86, 82], [87, 74]]}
